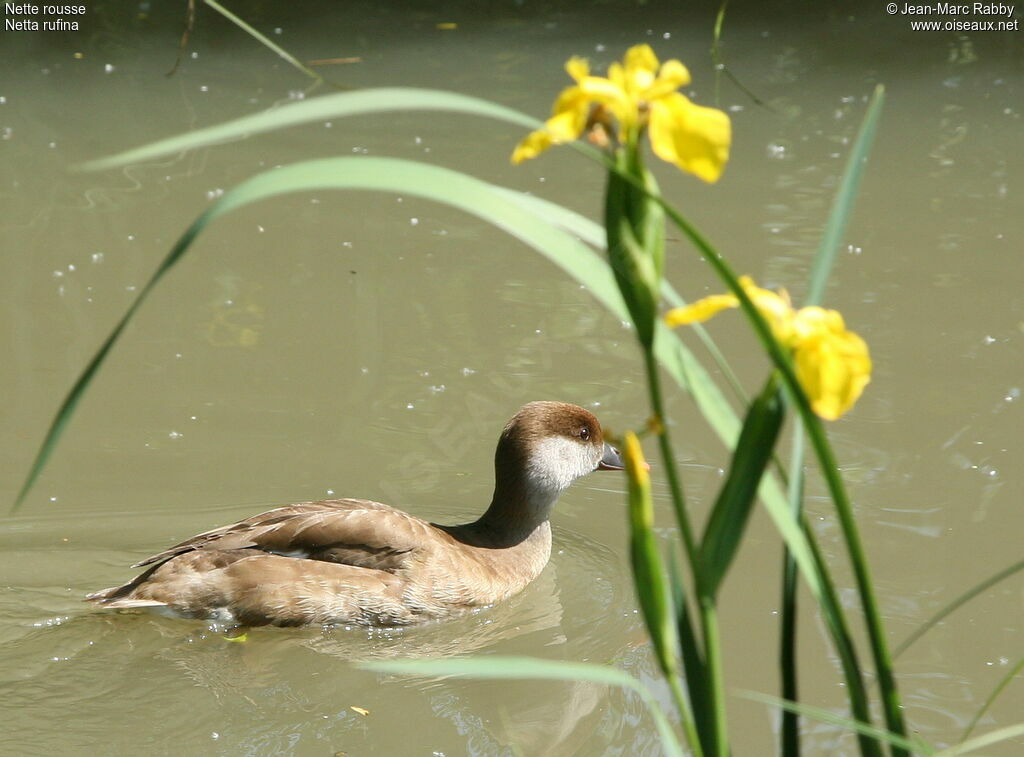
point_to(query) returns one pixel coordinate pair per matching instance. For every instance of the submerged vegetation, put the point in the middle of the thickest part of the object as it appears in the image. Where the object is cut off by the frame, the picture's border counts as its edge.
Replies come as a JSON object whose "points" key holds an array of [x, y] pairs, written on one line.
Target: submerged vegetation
{"points": [[818, 370]]}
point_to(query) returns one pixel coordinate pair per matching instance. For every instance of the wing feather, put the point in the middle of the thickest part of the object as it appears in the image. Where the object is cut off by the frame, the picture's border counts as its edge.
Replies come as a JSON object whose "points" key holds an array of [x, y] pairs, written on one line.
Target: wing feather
{"points": [[355, 532]]}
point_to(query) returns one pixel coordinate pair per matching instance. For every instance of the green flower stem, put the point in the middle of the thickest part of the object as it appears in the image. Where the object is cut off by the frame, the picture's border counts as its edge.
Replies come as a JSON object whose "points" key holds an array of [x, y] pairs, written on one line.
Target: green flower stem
{"points": [[789, 738], [872, 616], [715, 675], [675, 684], [668, 459], [843, 639]]}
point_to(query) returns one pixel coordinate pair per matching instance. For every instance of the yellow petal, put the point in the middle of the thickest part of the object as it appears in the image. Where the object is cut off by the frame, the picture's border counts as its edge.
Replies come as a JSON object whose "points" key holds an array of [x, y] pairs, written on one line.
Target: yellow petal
{"points": [[672, 76], [569, 116], [578, 68], [532, 145], [640, 58], [694, 138], [833, 366], [774, 307], [813, 321], [617, 75], [640, 66], [701, 310]]}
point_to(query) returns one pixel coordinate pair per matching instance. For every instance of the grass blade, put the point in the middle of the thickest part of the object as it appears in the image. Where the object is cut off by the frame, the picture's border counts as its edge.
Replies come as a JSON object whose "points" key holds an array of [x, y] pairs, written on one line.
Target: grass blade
{"points": [[671, 353], [338, 105], [986, 739], [1003, 683], [263, 40], [961, 600], [519, 668], [842, 205]]}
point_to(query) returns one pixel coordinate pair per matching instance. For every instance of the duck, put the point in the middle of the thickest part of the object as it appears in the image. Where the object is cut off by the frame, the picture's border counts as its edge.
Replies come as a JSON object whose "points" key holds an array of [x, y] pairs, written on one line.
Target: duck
{"points": [[358, 562]]}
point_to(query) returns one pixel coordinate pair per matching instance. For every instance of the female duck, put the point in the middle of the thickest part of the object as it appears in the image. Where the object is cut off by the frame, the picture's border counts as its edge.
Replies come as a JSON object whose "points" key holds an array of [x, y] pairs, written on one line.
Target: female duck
{"points": [[356, 561]]}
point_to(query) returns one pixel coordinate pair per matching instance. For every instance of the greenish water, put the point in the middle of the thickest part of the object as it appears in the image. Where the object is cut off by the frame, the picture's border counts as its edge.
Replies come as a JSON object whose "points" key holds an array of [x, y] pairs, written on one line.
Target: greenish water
{"points": [[372, 345]]}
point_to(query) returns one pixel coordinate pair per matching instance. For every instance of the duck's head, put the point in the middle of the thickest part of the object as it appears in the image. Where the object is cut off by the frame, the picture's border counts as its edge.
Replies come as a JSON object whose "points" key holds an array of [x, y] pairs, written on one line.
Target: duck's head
{"points": [[545, 447]]}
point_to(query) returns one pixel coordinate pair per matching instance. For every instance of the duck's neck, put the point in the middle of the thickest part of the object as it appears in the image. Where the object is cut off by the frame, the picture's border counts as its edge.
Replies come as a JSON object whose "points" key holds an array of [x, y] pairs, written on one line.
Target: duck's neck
{"points": [[517, 513], [524, 493]]}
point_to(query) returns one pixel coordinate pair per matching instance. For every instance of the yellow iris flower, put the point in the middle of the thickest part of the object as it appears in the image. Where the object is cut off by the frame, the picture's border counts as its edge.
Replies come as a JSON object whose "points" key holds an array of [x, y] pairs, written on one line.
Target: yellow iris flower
{"points": [[832, 364], [638, 93]]}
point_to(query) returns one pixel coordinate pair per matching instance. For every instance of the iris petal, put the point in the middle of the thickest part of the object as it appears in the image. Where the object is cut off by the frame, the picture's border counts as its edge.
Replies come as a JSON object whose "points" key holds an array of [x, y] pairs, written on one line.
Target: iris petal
{"points": [[701, 310], [694, 138], [578, 68], [531, 146]]}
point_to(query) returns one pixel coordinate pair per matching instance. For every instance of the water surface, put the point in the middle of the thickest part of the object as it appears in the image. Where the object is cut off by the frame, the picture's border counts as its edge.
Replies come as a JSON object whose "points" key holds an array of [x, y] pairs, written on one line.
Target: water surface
{"points": [[372, 345]]}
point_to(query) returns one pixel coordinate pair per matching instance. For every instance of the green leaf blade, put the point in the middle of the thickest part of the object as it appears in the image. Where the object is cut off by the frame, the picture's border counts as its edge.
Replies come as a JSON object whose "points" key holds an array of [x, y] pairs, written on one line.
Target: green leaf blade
{"points": [[842, 204], [520, 668], [735, 502], [325, 108]]}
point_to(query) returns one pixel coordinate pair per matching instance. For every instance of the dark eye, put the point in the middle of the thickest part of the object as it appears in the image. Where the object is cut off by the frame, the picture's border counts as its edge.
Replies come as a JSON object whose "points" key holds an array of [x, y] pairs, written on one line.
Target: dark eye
{"points": [[585, 433]]}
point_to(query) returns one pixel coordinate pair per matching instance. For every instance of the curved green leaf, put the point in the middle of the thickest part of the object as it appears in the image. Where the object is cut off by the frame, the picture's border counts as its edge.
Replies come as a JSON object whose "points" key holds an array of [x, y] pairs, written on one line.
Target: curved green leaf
{"points": [[1003, 683], [519, 668], [961, 600], [339, 105], [842, 205], [986, 739], [729, 516]]}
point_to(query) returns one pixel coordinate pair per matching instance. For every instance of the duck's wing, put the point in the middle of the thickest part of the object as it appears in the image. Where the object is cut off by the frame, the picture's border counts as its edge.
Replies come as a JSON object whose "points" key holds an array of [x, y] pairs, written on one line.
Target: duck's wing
{"points": [[350, 531]]}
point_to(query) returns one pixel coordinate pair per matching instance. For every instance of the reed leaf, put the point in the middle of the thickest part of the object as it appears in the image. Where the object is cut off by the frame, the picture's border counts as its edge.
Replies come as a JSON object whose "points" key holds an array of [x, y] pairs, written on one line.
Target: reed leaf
{"points": [[956, 604], [735, 501], [520, 668], [1000, 687], [324, 108], [986, 739], [681, 364], [837, 490], [262, 39], [842, 205]]}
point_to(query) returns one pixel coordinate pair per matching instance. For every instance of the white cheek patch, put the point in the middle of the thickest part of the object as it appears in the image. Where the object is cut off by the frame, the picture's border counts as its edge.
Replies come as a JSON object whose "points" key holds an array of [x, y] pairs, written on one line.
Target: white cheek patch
{"points": [[557, 461]]}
